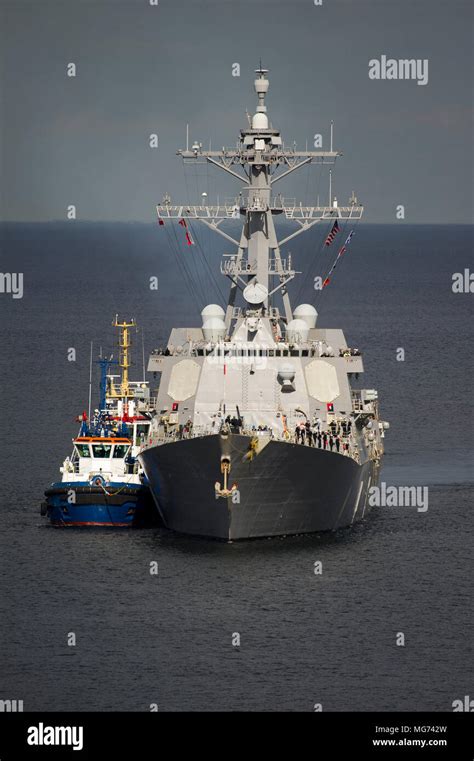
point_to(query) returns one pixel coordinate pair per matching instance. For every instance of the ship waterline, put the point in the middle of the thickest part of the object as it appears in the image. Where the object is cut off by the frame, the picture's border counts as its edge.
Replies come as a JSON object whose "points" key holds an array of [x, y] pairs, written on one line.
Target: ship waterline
{"points": [[285, 489]]}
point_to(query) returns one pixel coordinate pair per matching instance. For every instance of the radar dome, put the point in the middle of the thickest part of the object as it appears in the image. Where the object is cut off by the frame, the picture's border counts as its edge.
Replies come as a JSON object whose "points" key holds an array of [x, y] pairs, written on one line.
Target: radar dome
{"points": [[212, 310], [214, 329], [297, 331], [259, 121], [307, 313]]}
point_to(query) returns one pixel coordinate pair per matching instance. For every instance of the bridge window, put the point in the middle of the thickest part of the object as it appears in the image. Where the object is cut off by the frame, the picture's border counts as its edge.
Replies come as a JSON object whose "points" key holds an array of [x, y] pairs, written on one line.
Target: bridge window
{"points": [[120, 450], [101, 450], [83, 450]]}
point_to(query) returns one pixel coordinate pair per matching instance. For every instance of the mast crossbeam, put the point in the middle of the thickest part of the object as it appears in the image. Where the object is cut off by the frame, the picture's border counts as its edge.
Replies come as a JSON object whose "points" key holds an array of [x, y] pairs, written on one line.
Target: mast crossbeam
{"points": [[290, 209]]}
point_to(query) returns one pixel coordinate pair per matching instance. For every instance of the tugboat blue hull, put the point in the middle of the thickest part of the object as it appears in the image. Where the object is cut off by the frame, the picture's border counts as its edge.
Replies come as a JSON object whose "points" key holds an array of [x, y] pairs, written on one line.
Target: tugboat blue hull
{"points": [[80, 504]]}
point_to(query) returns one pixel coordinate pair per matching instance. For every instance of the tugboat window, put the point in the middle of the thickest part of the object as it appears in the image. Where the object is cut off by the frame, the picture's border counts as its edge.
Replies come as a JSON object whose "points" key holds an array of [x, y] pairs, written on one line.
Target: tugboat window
{"points": [[120, 450], [83, 450], [101, 450]]}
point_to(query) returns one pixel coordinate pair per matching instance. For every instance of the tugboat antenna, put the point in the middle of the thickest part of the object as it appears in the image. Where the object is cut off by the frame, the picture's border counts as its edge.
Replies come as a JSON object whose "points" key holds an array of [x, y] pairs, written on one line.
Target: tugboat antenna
{"points": [[124, 359], [90, 382]]}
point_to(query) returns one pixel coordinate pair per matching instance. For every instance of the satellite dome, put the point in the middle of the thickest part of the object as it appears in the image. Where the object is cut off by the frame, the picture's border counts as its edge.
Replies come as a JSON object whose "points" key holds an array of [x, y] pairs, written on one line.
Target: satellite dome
{"points": [[214, 329], [307, 313], [297, 331], [259, 121], [212, 310]]}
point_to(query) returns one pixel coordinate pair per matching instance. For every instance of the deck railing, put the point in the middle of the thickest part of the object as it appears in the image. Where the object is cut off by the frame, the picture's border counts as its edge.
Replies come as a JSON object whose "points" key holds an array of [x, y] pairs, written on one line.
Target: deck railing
{"points": [[287, 437]]}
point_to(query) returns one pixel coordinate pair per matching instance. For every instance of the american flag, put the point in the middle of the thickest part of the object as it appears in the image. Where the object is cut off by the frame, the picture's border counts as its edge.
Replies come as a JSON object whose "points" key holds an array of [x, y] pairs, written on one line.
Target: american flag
{"points": [[332, 234]]}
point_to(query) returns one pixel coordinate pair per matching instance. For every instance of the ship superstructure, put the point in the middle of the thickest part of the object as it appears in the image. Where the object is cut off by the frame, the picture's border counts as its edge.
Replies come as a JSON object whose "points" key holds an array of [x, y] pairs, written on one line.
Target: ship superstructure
{"points": [[258, 431]]}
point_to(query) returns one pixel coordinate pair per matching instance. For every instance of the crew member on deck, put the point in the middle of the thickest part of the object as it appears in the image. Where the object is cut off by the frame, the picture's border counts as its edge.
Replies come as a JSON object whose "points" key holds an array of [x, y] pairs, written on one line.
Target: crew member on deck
{"points": [[302, 432]]}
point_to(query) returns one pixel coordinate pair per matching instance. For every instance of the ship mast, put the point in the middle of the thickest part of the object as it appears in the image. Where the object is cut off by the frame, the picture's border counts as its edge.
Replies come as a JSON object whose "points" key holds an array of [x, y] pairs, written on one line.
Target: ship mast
{"points": [[261, 159], [124, 359]]}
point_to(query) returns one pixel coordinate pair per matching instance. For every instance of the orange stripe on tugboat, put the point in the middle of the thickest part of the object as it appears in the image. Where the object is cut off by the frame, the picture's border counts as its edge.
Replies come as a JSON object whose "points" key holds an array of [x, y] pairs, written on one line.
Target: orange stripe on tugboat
{"points": [[101, 440]]}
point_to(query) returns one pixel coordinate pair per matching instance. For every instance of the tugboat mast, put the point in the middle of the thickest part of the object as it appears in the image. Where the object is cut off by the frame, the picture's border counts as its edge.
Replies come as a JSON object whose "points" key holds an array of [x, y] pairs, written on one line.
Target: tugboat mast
{"points": [[124, 359]]}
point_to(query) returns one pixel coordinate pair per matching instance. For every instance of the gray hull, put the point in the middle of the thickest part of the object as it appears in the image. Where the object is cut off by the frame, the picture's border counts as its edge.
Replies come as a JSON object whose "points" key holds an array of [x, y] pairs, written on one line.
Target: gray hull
{"points": [[286, 488]]}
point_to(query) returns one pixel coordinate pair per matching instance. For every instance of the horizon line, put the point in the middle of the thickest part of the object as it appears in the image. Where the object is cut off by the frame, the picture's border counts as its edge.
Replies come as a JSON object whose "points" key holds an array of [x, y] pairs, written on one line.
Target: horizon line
{"points": [[400, 223]]}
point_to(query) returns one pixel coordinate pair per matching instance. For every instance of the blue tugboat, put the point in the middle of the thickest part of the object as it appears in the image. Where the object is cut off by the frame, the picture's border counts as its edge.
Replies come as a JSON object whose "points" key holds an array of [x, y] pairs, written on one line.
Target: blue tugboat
{"points": [[102, 481]]}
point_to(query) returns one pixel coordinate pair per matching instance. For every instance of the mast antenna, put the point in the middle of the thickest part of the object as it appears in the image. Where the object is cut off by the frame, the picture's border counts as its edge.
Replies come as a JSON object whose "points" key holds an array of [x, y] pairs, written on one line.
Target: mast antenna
{"points": [[90, 383], [124, 354]]}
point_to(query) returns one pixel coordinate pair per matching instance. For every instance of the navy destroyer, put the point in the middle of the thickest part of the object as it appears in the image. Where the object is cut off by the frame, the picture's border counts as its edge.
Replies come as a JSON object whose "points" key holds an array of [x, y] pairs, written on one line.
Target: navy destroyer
{"points": [[258, 431]]}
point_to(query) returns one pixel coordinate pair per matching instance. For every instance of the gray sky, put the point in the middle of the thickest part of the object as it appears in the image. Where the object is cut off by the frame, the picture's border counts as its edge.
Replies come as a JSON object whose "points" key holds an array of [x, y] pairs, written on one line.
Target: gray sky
{"points": [[144, 69]]}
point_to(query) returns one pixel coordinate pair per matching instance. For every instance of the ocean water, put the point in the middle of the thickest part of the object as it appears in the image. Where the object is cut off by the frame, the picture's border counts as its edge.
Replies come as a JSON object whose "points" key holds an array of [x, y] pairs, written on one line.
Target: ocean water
{"points": [[304, 638]]}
